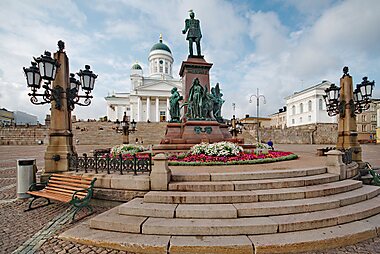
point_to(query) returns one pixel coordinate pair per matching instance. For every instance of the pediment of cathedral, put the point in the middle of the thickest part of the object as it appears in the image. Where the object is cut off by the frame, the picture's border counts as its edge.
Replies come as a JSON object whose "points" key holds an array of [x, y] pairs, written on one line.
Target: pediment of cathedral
{"points": [[160, 85]]}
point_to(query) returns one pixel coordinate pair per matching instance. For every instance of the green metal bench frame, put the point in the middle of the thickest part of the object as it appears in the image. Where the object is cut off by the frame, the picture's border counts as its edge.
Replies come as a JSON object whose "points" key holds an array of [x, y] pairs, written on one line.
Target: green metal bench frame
{"points": [[77, 202]]}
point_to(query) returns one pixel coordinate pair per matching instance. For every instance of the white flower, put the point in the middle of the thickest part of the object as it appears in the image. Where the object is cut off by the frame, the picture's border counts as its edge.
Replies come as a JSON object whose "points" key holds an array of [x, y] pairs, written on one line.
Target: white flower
{"points": [[217, 149]]}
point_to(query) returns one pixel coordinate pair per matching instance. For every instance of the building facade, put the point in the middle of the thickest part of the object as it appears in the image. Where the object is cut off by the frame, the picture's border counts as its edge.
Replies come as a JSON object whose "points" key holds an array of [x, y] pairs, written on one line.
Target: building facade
{"points": [[25, 118], [148, 98], [308, 106], [278, 120], [6, 117], [367, 123]]}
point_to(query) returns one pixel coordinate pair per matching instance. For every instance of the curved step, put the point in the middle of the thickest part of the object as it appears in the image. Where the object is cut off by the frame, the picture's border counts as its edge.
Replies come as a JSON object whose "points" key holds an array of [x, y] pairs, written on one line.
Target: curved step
{"points": [[238, 176], [137, 207], [113, 221], [300, 241], [228, 197], [254, 184]]}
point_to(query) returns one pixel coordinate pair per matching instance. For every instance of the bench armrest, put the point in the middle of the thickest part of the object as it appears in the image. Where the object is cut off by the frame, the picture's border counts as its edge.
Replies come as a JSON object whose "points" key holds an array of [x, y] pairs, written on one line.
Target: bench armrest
{"points": [[375, 176], [37, 186]]}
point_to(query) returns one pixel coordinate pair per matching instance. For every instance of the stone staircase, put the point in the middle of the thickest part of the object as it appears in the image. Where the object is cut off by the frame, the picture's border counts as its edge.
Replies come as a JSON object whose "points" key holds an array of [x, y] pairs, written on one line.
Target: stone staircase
{"points": [[269, 211]]}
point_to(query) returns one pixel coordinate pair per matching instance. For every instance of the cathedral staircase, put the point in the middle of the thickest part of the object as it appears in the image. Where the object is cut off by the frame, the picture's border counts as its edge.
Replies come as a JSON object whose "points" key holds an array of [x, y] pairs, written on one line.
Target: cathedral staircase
{"points": [[267, 211]]}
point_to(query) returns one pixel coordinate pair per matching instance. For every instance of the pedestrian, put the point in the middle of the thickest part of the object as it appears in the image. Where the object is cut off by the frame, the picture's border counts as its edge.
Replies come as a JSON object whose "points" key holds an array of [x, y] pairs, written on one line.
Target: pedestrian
{"points": [[270, 144]]}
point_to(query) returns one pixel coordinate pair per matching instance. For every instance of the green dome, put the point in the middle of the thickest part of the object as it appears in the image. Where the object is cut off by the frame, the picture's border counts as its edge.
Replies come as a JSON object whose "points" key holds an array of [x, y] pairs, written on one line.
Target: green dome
{"points": [[160, 46], [136, 66]]}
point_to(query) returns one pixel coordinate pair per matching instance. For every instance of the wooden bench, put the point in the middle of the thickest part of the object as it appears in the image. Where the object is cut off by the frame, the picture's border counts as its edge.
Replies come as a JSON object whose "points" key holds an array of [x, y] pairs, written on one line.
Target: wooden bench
{"points": [[75, 190]]}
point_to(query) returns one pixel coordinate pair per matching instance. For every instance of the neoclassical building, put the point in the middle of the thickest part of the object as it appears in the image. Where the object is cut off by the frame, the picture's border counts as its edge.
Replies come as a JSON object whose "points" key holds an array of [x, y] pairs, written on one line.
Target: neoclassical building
{"points": [[308, 106], [148, 99]]}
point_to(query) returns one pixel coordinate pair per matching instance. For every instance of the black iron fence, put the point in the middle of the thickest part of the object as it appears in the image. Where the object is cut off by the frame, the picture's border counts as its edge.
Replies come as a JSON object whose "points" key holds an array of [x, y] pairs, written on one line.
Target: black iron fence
{"points": [[136, 164]]}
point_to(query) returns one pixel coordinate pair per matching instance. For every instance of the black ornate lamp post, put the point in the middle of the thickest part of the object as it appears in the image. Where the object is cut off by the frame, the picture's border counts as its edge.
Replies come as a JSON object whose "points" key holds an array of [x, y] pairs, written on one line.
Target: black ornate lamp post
{"points": [[348, 103], [257, 96], [62, 91], [126, 127]]}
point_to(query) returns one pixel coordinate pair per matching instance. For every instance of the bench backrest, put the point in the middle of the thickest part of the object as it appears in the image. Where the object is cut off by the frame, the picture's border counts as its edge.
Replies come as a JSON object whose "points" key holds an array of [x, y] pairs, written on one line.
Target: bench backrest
{"points": [[68, 184]]}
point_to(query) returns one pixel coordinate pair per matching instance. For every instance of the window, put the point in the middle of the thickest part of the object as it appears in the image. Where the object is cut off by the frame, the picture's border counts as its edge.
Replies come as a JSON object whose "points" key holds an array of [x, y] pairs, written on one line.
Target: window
{"points": [[373, 127], [373, 118], [320, 104], [166, 68], [363, 118], [301, 108], [364, 128], [162, 116], [309, 106], [161, 66], [309, 117], [293, 121], [293, 110], [300, 119]]}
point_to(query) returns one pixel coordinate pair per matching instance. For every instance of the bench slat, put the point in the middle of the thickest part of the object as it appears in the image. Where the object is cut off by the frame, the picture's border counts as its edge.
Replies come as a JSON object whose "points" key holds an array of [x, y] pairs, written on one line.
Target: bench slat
{"points": [[66, 187], [45, 194], [70, 180], [84, 178], [74, 185], [65, 192]]}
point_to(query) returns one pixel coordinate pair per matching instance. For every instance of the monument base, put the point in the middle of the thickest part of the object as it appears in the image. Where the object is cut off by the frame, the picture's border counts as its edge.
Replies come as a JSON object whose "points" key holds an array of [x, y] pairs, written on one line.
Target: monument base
{"points": [[182, 136]]}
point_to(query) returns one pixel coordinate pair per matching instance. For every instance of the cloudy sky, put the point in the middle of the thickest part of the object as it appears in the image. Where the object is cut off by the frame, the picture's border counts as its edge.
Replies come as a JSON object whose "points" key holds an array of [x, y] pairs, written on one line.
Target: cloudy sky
{"points": [[277, 46]]}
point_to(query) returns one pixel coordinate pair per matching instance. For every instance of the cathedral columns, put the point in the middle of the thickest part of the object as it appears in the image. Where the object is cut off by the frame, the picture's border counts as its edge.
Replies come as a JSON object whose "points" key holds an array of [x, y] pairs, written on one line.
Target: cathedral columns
{"points": [[167, 109], [148, 108], [139, 109], [157, 109]]}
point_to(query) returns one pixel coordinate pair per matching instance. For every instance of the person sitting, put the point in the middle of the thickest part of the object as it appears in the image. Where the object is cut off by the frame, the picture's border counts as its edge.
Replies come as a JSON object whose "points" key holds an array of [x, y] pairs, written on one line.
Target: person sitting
{"points": [[270, 144]]}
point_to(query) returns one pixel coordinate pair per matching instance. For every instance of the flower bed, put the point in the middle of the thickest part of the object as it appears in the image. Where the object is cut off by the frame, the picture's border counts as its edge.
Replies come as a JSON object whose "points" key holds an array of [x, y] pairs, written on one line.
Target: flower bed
{"points": [[226, 153]]}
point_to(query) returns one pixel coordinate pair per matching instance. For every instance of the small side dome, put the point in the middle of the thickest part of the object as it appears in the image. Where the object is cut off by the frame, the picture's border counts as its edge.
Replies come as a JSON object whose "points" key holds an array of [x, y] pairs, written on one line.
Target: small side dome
{"points": [[160, 46], [136, 66]]}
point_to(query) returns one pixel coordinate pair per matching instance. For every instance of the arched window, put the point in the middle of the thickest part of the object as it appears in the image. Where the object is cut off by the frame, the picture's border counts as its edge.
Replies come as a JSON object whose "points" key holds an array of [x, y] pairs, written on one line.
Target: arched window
{"points": [[161, 66], [320, 104], [309, 106], [301, 108], [293, 110]]}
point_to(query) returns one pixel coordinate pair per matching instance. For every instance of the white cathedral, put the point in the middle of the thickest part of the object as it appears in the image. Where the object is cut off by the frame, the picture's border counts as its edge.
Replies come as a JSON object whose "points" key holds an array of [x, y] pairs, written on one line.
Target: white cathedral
{"points": [[148, 99]]}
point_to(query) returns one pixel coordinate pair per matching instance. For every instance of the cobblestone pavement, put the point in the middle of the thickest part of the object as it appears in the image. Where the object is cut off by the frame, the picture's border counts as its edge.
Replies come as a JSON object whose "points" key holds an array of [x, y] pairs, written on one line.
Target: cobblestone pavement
{"points": [[17, 226]]}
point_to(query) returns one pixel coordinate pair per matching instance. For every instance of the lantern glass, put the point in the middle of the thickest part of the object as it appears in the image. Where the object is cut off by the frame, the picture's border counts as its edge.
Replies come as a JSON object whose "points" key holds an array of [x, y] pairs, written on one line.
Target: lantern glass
{"points": [[133, 124], [358, 97], [47, 66], [33, 77], [87, 78], [74, 83]]}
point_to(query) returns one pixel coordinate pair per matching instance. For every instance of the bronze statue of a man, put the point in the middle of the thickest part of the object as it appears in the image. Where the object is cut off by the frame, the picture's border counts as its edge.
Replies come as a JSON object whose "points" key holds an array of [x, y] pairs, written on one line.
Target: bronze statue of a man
{"points": [[193, 29]]}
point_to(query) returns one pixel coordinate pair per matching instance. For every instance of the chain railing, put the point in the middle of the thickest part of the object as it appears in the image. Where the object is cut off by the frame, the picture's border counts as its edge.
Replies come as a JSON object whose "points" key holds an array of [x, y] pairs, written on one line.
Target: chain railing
{"points": [[136, 164]]}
